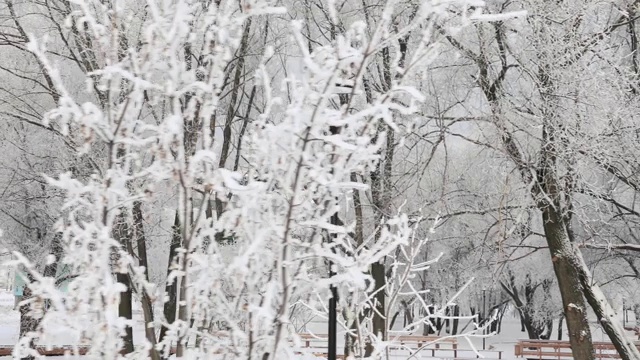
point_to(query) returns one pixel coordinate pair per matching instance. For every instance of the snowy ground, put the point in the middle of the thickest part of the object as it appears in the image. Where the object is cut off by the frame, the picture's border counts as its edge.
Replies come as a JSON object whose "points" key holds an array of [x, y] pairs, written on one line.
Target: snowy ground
{"points": [[505, 341]]}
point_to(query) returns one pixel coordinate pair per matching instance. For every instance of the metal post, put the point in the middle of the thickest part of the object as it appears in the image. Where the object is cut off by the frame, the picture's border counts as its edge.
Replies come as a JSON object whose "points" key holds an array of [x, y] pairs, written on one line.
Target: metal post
{"points": [[484, 315], [332, 350], [332, 345], [333, 313]]}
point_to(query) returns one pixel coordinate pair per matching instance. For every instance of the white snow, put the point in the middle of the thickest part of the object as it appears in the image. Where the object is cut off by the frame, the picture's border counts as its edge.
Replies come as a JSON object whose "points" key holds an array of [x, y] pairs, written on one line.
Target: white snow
{"points": [[505, 341]]}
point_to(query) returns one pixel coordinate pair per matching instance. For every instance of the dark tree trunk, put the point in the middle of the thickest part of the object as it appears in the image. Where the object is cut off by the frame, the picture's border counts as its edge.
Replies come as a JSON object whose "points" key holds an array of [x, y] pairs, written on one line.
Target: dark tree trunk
{"points": [[378, 321], [172, 286], [547, 329], [125, 311], [526, 322], [429, 327], [27, 322], [575, 309], [145, 299], [349, 341], [560, 321], [122, 234], [501, 317], [378, 272], [456, 314]]}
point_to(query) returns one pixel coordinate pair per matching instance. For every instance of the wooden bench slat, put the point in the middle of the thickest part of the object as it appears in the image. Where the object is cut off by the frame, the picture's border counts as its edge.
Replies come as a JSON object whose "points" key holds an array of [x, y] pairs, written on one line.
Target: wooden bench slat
{"points": [[562, 349]]}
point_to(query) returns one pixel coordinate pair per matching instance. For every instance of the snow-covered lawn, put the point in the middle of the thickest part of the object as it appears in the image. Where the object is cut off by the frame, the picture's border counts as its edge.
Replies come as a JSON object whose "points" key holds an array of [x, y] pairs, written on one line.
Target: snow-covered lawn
{"points": [[505, 341]]}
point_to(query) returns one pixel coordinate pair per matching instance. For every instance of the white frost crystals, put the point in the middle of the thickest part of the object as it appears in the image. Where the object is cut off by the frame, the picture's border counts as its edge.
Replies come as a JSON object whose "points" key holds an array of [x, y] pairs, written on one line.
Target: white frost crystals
{"points": [[252, 242]]}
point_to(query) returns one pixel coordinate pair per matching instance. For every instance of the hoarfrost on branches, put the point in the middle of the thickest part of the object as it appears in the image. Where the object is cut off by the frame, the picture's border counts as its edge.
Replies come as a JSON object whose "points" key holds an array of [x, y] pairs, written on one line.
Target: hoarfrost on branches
{"points": [[149, 128]]}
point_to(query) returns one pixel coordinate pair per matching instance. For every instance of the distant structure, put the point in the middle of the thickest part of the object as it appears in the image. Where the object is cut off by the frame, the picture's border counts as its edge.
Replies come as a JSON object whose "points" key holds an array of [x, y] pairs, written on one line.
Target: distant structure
{"points": [[18, 288], [6, 272], [14, 281]]}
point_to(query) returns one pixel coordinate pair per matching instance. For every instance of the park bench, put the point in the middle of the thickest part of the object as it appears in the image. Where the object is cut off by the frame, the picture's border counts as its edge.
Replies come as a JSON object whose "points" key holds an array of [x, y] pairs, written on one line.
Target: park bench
{"points": [[433, 343], [635, 329], [7, 350], [317, 343], [436, 346], [551, 349]]}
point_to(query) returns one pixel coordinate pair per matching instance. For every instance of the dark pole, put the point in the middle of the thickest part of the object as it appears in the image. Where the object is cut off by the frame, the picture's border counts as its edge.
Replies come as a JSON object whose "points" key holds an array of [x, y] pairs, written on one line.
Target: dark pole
{"points": [[332, 346], [484, 315], [624, 314], [333, 302], [333, 313]]}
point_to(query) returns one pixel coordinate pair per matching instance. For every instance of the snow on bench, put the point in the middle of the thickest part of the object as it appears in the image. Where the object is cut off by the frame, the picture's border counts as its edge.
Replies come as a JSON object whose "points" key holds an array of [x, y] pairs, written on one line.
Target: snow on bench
{"points": [[552, 349]]}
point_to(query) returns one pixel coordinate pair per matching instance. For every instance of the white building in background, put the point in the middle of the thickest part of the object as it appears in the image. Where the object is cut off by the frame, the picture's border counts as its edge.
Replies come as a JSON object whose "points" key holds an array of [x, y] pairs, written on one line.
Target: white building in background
{"points": [[7, 273]]}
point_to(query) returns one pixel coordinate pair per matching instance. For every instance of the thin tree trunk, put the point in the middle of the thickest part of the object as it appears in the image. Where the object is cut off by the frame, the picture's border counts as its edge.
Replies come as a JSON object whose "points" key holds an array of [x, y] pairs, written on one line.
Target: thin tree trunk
{"points": [[183, 310], [378, 273], [349, 340], [125, 311], [501, 317], [456, 314], [560, 321], [145, 299], [171, 287], [27, 322], [232, 110], [378, 320], [122, 235], [526, 322]]}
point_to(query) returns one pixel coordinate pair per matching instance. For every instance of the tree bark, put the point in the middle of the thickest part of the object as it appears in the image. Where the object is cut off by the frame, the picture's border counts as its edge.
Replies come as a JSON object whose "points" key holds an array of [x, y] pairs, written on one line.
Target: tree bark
{"points": [[123, 236], [546, 193], [526, 323], [560, 321], [570, 288], [172, 286], [378, 320], [145, 299], [607, 316], [125, 310], [27, 322], [378, 269]]}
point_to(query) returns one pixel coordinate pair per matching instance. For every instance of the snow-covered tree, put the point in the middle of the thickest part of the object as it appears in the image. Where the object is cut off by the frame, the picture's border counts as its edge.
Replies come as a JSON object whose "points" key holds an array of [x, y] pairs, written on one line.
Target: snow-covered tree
{"points": [[248, 243]]}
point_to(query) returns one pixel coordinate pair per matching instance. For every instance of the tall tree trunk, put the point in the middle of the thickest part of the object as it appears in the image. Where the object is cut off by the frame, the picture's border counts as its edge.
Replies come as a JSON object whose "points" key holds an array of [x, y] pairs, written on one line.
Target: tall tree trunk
{"points": [[145, 299], [456, 319], [546, 193], [172, 286], [378, 320], [232, 110], [125, 311], [27, 322], [574, 306], [378, 268], [349, 340], [542, 178], [526, 323], [122, 234]]}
